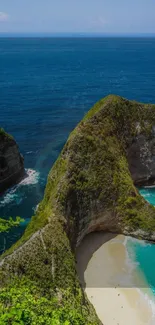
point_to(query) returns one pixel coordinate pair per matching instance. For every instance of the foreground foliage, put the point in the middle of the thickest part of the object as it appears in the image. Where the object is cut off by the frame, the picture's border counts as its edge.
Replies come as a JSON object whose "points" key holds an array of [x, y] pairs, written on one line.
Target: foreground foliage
{"points": [[24, 303]]}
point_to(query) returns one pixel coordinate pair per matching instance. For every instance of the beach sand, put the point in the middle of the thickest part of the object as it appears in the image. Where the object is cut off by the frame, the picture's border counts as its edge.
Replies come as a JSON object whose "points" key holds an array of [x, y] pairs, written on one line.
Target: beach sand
{"points": [[109, 282]]}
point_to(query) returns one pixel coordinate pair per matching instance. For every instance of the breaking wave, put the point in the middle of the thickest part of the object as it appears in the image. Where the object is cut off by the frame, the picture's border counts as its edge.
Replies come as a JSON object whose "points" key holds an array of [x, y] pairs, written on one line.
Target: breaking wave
{"points": [[15, 193]]}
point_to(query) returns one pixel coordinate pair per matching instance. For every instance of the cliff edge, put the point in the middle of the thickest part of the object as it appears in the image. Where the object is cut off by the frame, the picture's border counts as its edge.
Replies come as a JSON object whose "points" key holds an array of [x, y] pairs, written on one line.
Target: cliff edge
{"points": [[90, 188], [11, 162]]}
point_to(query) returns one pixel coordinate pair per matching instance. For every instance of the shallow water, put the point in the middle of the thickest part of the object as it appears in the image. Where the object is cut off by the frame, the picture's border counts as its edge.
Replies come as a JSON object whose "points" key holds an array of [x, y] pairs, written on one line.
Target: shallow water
{"points": [[148, 194], [141, 258]]}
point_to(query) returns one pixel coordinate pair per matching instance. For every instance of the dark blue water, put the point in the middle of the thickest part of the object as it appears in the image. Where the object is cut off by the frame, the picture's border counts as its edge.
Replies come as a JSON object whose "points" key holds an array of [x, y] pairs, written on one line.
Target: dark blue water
{"points": [[46, 87]]}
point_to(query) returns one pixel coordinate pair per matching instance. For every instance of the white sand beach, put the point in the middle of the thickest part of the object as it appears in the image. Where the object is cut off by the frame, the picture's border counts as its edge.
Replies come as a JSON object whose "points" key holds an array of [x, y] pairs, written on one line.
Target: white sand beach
{"points": [[109, 283]]}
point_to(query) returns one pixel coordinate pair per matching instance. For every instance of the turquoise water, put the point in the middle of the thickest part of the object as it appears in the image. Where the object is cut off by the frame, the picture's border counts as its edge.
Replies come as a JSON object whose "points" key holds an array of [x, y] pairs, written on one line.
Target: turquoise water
{"points": [[143, 252], [142, 258], [148, 194]]}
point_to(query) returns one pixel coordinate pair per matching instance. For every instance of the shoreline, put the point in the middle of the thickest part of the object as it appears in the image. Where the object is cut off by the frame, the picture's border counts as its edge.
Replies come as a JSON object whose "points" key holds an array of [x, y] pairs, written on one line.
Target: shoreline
{"points": [[111, 281]]}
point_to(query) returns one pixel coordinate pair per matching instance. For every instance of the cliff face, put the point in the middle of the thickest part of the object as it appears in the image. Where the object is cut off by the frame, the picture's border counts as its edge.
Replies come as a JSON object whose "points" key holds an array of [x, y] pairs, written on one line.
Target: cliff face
{"points": [[91, 187], [141, 158], [11, 162]]}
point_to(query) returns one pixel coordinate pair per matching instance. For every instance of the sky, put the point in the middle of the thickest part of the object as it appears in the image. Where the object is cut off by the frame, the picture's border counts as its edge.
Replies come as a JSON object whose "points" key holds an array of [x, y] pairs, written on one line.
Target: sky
{"points": [[78, 16]]}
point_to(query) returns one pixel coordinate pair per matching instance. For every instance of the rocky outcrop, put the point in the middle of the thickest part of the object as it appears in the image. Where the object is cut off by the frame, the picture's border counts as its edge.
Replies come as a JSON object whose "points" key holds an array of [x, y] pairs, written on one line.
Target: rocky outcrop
{"points": [[141, 158], [11, 162], [91, 187]]}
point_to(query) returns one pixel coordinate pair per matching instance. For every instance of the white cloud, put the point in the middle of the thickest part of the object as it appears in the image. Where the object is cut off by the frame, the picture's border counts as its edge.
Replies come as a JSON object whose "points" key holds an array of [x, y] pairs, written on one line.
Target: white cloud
{"points": [[3, 16]]}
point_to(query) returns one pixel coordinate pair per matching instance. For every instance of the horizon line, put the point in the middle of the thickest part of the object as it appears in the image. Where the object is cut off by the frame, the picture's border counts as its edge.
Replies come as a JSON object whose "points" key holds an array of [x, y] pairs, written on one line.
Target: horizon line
{"points": [[71, 35]]}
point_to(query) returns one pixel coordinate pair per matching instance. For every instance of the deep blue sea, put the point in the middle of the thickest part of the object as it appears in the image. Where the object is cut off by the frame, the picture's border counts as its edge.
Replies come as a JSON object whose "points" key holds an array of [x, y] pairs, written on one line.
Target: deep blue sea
{"points": [[46, 87]]}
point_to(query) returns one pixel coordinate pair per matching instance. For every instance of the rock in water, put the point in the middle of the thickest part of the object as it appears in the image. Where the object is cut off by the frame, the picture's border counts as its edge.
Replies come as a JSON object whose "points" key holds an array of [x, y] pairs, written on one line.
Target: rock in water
{"points": [[11, 162]]}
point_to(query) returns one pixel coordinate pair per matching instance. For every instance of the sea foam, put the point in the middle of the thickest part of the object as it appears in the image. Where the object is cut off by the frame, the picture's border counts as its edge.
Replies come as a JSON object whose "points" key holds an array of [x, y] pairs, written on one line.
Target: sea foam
{"points": [[32, 177], [147, 293], [13, 194]]}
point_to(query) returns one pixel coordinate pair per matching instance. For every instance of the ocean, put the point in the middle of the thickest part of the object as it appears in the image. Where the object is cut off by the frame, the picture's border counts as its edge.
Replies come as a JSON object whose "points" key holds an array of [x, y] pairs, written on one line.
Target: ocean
{"points": [[46, 87]]}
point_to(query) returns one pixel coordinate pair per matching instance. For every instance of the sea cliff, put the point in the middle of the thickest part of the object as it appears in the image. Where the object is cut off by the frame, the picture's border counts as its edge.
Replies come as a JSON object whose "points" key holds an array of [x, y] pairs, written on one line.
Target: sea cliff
{"points": [[91, 187], [11, 162]]}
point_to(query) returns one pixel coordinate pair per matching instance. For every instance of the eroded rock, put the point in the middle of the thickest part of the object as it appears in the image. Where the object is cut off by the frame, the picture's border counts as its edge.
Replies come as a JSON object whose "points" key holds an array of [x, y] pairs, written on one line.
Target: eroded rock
{"points": [[11, 162]]}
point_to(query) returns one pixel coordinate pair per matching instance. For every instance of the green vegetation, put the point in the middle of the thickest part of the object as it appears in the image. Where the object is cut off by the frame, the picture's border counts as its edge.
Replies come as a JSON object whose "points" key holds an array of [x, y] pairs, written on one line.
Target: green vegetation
{"points": [[8, 224], [4, 134], [24, 303], [90, 184]]}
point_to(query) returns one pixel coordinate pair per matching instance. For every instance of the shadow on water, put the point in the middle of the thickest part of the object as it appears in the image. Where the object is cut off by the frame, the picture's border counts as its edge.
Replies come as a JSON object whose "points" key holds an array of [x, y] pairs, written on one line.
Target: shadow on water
{"points": [[89, 245]]}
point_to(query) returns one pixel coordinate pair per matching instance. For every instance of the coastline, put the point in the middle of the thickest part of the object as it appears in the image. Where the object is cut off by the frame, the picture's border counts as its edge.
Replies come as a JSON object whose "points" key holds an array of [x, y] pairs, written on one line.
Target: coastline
{"points": [[113, 285]]}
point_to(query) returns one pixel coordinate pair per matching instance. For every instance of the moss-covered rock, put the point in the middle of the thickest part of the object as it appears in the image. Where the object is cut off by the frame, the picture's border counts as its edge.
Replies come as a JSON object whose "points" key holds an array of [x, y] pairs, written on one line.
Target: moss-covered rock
{"points": [[90, 187]]}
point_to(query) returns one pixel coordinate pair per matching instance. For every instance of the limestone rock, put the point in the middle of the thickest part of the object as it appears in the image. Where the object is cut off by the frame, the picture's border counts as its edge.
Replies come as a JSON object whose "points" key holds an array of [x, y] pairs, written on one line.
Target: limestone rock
{"points": [[91, 187], [11, 162]]}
